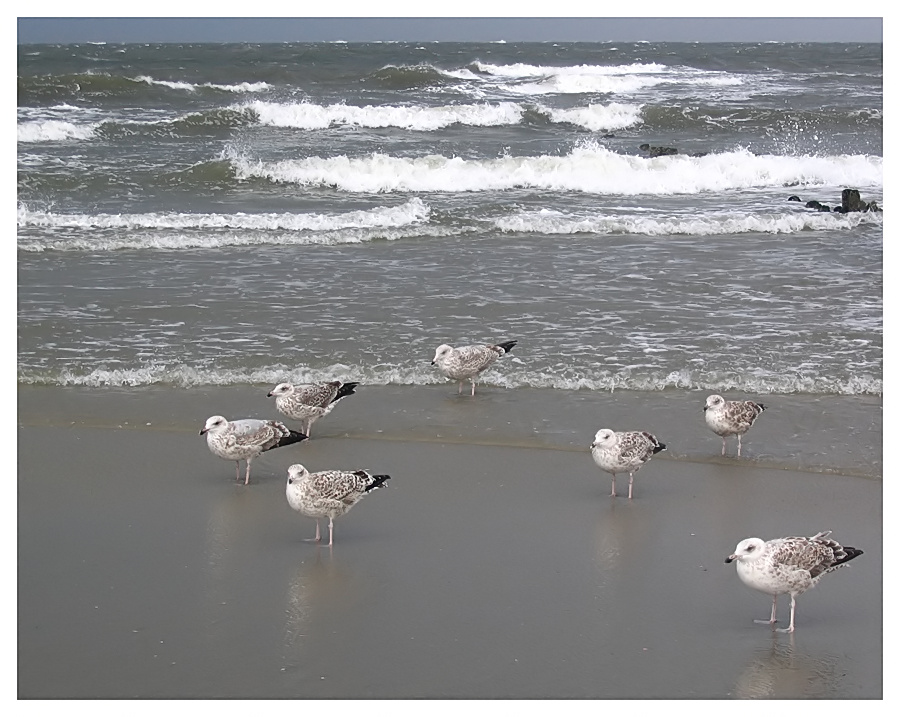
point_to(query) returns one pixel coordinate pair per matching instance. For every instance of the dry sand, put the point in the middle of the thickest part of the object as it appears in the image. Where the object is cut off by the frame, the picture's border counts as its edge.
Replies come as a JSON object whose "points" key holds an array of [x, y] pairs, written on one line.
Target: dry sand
{"points": [[493, 564]]}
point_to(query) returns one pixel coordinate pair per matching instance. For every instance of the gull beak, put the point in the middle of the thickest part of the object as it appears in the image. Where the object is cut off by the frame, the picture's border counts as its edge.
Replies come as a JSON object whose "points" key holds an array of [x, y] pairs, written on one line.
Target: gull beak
{"points": [[432, 363], [202, 431], [730, 558], [269, 394]]}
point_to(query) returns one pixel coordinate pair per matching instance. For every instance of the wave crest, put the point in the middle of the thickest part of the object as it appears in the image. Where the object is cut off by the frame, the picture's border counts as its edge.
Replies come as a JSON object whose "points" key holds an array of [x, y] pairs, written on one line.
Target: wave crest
{"points": [[215, 230], [53, 131], [554, 222], [588, 168], [307, 115], [381, 375]]}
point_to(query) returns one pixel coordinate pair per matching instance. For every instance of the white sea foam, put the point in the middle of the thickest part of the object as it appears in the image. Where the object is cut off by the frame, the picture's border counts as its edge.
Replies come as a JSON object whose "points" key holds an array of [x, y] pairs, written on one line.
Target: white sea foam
{"points": [[588, 168], [146, 79], [521, 70], [868, 113], [585, 84], [240, 86], [462, 74], [633, 380], [53, 131], [411, 212], [191, 87], [311, 116], [384, 374], [211, 231], [176, 242], [308, 115], [596, 117], [553, 222], [581, 79]]}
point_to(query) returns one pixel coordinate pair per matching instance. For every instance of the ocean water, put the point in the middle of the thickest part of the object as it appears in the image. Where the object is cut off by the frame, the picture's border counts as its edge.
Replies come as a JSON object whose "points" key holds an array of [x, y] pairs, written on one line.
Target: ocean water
{"points": [[240, 214]]}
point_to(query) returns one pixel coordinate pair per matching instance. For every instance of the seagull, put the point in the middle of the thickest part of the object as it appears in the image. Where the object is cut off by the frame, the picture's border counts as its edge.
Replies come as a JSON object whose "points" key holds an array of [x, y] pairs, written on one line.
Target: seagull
{"points": [[308, 402], [729, 418], [624, 451], [328, 494], [246, 438], [467, 362], [788, 565]]}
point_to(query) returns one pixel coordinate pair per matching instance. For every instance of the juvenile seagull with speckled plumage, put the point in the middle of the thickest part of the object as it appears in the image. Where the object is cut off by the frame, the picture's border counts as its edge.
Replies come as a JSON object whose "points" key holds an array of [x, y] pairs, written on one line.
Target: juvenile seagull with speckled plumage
{"points": [[328, 494], [308, 402], [731, 418], [246, 438], [622, 452], [466, 362], [788, 566]]}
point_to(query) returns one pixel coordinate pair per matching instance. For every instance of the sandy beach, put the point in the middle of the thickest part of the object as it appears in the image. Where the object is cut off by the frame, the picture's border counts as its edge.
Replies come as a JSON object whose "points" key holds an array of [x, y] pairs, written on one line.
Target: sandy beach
{"points": [[494, 564], [198, 222]]}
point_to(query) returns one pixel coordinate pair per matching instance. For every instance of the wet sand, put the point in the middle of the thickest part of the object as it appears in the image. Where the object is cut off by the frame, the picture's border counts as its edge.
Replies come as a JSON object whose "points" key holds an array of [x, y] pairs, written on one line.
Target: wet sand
{"points": [[494, 564]]}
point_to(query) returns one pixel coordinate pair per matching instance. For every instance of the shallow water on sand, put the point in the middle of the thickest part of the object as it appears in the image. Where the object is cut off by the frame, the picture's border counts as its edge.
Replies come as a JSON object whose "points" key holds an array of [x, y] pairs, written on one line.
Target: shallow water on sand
{"points": [[494, 571]]}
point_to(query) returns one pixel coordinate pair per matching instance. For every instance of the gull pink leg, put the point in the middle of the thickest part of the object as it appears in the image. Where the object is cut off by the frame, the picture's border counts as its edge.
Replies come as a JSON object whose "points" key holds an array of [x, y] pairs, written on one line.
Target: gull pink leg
{"points": [[247, 477], [739, 445], [630, 483], [237, 471], [317, 538], [330, 531], [789, 628], [771, 619], [613, 494]]}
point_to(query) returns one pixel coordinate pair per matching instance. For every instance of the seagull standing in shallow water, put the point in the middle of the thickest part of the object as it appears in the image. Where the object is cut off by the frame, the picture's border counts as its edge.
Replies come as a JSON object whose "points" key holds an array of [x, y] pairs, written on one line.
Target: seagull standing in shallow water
{"points": [[246, 438], [624, 451], [308, 402], [328, 494], [729, 418], [788, 566], [466, 362]]}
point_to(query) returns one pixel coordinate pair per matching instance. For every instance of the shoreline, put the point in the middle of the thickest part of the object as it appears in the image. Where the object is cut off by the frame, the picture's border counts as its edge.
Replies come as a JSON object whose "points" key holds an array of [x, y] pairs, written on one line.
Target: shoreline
{"points": [[479, 571], [841, 435]]}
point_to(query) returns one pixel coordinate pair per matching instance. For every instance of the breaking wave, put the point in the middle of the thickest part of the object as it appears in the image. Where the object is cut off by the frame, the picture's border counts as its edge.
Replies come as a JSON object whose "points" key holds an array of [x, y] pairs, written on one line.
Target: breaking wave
{"points": [[382, 375], [588, 168]]}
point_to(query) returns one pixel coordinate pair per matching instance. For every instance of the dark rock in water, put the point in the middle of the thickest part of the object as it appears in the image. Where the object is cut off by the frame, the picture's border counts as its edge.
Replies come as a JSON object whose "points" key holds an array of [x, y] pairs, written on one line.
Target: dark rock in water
{"points": [[852, 202], [657, 151]]}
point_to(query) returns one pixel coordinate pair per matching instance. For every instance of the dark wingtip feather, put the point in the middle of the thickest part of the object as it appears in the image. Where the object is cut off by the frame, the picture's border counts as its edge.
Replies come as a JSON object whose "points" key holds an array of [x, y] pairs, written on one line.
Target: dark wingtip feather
{"points": [[292, 437], [850, 554], [377, 482], [346, 389]]}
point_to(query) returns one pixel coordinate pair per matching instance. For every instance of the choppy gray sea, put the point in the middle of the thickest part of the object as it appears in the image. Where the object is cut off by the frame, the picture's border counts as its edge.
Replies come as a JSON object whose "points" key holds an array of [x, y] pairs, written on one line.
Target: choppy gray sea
{"points": [[237, 214]]}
